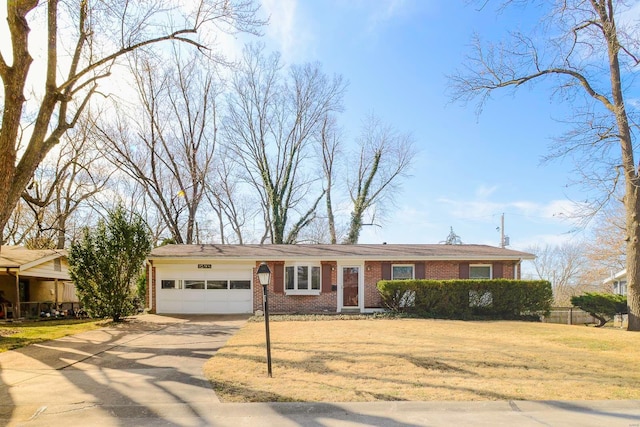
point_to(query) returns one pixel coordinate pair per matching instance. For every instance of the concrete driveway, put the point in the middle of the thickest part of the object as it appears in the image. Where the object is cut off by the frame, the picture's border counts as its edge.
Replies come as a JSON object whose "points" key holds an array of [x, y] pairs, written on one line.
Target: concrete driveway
{"points": [[137, 369]]}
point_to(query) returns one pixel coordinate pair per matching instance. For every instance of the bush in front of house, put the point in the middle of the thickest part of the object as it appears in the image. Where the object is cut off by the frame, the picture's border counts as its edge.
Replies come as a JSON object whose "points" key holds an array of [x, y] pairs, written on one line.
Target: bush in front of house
{"points": [[468, 299], [105, 262], [601, 306]]}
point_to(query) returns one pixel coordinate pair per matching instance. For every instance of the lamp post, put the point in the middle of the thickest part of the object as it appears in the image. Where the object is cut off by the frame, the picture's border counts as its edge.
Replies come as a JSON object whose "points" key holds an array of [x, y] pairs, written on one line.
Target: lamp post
{"points": [[264, 276]]}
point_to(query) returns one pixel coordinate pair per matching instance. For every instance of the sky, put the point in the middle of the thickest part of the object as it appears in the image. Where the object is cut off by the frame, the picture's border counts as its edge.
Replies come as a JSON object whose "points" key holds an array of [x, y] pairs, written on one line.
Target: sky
{"points": [[470, 169]]}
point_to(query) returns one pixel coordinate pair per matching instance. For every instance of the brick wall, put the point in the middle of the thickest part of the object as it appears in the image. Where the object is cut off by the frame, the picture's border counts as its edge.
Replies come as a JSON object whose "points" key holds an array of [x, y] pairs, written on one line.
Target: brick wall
{"points": [[282, 303], [153, 305], [442, 270], [148, 280], [328, 301], [372, 275]]}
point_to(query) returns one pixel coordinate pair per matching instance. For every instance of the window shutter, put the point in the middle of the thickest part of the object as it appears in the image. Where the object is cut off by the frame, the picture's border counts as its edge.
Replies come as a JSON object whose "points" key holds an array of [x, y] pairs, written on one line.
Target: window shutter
{"points": [[278, 278], [497, 270], [464, 270], [326, 277], [419, 271], [386, 271]]}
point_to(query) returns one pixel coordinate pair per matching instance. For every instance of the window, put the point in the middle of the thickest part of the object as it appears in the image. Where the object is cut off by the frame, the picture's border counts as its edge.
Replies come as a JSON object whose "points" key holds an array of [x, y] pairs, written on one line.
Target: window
{"points": [[170, 284], [302, 279], [402, 272], [194, 284], [620, 287], [480, 271], [240, 284], [216, 284]]}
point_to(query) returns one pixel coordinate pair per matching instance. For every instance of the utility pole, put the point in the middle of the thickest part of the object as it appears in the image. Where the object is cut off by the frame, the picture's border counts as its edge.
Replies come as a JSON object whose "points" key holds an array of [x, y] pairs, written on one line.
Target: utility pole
{"points": [[502, 231]]}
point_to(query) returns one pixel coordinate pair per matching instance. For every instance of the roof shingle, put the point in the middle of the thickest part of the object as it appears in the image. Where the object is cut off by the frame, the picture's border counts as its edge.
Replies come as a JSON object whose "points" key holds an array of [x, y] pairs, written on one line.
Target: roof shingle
{"points": [[331, 252]]}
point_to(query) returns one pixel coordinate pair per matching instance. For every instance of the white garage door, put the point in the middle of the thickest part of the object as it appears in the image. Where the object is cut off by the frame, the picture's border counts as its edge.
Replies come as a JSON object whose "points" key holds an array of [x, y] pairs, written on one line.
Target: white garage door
{"points": [[220, 292]]}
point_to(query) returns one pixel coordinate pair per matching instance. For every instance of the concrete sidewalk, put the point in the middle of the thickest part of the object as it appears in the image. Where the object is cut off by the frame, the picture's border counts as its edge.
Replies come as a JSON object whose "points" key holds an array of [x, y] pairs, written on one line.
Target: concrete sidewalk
{"points": [[402, 414], [149, 373]]}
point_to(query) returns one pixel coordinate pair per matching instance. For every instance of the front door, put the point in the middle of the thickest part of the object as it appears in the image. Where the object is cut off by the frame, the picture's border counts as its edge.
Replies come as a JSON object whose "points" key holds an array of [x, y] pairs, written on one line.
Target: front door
{"points": [[350, 281]]}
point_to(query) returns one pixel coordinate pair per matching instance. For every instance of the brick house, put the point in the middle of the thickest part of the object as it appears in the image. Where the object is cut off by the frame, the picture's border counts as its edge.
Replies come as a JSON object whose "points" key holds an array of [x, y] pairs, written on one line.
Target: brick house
{"points": [[211, 279]]}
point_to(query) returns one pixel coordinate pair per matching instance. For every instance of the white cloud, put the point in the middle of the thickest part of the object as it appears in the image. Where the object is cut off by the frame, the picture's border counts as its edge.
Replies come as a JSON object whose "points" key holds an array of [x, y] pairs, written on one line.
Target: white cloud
{"points": [[484, 191], [383, 12], [556, 210], [286, 28]]}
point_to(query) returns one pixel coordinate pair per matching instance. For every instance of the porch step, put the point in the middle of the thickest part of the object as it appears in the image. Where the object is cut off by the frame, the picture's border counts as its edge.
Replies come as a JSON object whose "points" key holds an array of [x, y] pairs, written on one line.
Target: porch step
{"points": [[350, 311]]}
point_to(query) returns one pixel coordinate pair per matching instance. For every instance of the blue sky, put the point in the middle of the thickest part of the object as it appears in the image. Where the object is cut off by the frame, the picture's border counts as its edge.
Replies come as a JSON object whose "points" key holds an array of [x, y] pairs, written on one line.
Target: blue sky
{"points": [[469, 170]]}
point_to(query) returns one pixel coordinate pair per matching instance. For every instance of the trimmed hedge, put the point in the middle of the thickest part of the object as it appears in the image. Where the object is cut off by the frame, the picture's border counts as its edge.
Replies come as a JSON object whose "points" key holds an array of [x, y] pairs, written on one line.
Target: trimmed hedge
{"points": [[468, 299]]}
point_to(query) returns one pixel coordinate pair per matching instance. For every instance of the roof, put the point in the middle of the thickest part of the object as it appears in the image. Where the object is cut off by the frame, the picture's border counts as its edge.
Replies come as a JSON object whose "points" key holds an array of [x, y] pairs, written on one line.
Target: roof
{"points": [[620, 275], [21, 258], [332, 252]]}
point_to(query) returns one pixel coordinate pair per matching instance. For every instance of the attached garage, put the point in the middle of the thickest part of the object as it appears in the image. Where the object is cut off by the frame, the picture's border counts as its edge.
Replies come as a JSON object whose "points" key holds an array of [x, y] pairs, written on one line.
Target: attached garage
{"points": [[221, 279], [203, 288]]}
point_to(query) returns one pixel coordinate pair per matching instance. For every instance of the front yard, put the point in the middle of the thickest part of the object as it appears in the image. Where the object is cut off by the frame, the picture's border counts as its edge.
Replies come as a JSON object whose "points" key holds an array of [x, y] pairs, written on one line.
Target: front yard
{"points": [[19, 334], [421, 359]]}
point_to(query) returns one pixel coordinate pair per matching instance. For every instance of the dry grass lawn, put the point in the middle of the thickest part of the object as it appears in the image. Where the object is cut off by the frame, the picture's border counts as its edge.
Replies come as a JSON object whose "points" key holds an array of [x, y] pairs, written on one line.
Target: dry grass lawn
{"points": [[421, 359]]}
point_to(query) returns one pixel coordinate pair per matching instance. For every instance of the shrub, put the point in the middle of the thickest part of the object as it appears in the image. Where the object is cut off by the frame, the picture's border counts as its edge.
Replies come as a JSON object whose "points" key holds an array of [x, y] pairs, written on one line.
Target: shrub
{"points": [[467, 299], [600, 305], [105, 262]]}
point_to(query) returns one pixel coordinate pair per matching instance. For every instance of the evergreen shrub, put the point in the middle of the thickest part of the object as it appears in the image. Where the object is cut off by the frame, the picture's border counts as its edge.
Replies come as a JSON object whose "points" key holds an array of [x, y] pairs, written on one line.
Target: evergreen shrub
{"points": [[468, 299]]}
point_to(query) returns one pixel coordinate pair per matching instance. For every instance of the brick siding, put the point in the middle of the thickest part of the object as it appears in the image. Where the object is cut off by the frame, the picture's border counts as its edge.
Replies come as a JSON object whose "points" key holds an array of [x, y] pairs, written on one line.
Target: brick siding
{"points": [[282, 303]]}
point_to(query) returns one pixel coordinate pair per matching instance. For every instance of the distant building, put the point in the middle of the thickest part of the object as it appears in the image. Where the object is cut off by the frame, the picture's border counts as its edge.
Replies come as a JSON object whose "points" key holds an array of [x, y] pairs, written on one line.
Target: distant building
{"points": [[619, 282]]}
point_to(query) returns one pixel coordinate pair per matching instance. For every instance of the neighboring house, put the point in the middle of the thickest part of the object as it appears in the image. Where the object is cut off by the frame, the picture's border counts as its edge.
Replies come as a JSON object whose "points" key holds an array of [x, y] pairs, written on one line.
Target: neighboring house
{"points": [[33, 280], [308, 278], [618, 281]]}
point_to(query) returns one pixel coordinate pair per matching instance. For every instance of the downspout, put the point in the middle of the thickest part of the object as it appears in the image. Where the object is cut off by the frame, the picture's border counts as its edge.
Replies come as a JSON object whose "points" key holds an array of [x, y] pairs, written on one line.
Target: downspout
{"points": [[518, 269]]}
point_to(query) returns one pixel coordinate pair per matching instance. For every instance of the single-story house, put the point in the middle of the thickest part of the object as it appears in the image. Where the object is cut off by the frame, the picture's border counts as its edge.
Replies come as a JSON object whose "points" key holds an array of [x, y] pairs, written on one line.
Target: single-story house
{"points": [[618, 281], [33, 280], [212, 278]]}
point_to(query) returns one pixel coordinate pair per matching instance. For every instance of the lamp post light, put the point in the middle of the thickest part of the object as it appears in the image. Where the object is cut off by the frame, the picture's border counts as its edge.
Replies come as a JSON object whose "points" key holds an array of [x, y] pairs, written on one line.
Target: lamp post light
{"points": [[264, 276]]}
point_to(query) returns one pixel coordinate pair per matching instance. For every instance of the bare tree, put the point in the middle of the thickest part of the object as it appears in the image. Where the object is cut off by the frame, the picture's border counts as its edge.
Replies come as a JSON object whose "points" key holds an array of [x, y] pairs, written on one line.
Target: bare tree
{"points": [[384, 157], [171, 154], [564, 266], [605, 247], [19, 226], [584, 48], [81, 42], [60, 187], [330, 150], [232, 205], [272, 120]]}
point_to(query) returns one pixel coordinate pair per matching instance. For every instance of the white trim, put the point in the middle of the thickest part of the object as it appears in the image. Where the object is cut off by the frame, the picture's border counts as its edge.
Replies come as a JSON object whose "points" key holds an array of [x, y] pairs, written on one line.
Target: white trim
{"points": [[413, 270], [482, 265], [622, 274], [310, 266]]}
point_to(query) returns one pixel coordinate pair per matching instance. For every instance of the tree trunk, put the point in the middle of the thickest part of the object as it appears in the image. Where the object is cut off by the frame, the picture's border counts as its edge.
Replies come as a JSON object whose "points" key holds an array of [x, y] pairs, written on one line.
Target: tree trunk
{"points": [[330, 216], [632, 200]]}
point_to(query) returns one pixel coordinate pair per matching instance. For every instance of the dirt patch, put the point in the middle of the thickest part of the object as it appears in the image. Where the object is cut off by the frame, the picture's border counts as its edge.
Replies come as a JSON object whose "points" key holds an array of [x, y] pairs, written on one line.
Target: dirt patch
{"points": [[4, 332]]}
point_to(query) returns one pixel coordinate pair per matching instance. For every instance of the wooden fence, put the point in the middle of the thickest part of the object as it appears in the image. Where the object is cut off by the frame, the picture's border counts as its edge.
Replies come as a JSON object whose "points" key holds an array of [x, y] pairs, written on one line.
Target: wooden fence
{"points": [[569, 316]]}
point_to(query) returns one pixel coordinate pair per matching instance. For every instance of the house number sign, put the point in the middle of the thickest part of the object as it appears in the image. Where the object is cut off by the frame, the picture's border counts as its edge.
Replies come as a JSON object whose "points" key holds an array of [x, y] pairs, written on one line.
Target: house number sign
{"points": [[204, 265]]}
